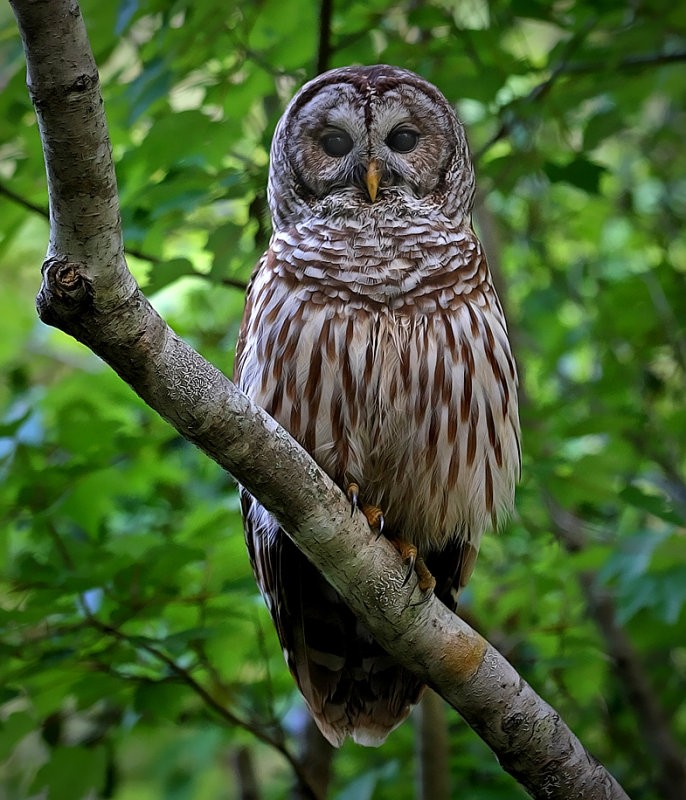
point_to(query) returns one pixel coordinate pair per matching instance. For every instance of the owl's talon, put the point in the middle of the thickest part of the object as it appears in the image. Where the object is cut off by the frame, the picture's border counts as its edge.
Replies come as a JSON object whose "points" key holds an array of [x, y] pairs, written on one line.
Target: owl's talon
{"points": [[374, 517], [410, 569], [353, 494], [410, 558], [408, 553], [380, 524], [373, 514], [425, 599], [426, 582]]}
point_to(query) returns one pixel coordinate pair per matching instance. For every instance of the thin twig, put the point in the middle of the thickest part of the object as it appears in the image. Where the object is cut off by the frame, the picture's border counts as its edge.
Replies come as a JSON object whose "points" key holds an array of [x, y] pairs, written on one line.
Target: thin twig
{"points": [[42, 211], [34, 208], [567, 69], [632, 62], [541, 89], [186, 677], [324, 46], [210, 701]]}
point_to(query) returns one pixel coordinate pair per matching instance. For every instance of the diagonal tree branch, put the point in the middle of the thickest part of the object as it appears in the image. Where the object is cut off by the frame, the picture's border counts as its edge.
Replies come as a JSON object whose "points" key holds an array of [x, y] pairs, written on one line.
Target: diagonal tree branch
{"points": [[567, 69], [16, 198], [211, 702], [88, 292]]}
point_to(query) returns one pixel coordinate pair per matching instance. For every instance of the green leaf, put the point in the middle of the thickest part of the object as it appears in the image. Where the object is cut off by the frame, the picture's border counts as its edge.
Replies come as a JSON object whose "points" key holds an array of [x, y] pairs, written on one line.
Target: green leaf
{"points": [[655, 504], [13, 730], [159, 699], [72, 772], [162, 275], [580, 172]]}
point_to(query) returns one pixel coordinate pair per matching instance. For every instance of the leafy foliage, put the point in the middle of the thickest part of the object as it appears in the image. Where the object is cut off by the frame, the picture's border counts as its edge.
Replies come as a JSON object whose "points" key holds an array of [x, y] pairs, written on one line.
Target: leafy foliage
{"points": [[135, 653]]}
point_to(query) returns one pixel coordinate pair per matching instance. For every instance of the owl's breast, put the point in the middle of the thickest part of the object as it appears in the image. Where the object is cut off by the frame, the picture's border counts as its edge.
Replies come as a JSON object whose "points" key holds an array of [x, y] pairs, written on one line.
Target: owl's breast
{"points": [[441, 432], [417, 265], [412, 396]]}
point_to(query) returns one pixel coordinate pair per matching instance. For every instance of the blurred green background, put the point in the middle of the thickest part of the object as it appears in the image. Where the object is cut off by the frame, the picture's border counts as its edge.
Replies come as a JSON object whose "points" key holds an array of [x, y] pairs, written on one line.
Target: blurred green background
{"points": [[136, 659]]}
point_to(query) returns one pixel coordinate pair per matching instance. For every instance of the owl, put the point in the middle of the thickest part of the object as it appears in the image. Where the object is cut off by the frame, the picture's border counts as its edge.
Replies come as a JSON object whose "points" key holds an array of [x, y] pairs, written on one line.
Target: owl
{"points": [[372, 332]]}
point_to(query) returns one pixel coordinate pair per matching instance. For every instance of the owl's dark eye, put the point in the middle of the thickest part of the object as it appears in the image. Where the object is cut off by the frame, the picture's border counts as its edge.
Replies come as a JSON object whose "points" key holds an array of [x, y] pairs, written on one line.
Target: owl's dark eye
{"points": [[337, 143], [402, 140]]}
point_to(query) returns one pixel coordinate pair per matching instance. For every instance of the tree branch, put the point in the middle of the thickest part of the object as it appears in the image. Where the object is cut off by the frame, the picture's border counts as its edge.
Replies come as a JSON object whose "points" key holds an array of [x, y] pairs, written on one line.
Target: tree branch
{"points": [[209, 700], [630, 63], [88, 292], [308, 788]]}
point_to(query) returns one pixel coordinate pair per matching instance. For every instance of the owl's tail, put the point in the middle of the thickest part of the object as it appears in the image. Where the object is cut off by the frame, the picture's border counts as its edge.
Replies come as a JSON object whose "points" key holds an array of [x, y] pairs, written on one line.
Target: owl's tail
{"points": [[350, 684]]}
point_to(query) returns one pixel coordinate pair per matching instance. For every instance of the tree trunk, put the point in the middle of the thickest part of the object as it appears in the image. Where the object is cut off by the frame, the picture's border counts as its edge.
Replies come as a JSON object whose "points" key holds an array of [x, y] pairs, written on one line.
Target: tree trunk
{"points": [[432, 749]]}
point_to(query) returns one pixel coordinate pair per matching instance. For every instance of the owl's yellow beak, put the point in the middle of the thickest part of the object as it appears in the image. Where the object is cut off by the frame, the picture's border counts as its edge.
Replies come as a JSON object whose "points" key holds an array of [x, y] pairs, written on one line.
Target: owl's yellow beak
{"points": [[372, 178]]}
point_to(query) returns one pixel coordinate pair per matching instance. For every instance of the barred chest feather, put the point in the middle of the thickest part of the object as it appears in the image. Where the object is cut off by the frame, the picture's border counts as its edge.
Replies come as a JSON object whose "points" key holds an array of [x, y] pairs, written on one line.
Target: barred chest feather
{"points": [[393, 369]]}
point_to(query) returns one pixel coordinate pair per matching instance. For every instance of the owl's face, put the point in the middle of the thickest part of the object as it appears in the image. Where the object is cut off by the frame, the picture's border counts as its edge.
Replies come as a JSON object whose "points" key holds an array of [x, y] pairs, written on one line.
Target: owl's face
{"points": [[368, 141]]}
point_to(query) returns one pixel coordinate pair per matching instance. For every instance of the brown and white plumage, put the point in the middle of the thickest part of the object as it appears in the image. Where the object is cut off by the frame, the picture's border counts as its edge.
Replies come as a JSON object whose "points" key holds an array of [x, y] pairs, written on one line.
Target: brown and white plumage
{"points": [[372, 332]]}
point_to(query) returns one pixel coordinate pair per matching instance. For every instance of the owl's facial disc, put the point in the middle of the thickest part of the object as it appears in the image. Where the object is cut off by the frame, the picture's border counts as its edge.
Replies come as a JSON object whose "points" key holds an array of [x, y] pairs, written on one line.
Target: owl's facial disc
{"points": [[363, 140], [368, 148]]}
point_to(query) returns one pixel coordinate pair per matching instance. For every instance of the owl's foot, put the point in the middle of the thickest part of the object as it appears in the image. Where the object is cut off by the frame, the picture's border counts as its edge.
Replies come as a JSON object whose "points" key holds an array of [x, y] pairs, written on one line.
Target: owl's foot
{"points": [[415, 563], [373, 514]]}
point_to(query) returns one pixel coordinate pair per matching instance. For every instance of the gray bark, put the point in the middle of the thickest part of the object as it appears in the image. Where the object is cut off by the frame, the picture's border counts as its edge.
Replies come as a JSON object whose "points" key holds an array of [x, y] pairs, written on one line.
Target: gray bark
{"points": [[88, 292]]}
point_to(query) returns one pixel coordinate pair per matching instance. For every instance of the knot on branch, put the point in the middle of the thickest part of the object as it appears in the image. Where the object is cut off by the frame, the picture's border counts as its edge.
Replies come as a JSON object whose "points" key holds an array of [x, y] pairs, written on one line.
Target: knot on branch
{"points": [[50, 96], [83, 83], [65, 292]]}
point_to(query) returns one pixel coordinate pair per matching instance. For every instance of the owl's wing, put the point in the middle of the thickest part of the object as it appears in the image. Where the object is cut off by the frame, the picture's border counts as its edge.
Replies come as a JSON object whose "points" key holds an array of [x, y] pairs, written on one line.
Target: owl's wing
{"points": [[241, 342], [351, 685]]}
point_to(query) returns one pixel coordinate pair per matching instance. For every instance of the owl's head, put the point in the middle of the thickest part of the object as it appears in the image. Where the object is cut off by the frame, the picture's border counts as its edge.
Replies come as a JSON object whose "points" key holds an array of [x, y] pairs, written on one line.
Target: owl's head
{"points": [[369, 141]]}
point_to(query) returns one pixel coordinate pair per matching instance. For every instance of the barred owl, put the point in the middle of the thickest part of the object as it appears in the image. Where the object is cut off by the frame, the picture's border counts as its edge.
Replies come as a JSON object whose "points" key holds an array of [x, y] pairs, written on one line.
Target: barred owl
{"points": [[372, 332]]}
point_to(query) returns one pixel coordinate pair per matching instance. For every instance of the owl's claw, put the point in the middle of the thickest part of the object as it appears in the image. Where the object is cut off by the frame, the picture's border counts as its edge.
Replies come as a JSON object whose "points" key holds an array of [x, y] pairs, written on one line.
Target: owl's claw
{"points": [[374, 517], [373, 514], [380, 524], [353, 494], [415, 563], [408, 553], [425, 599], [410, 567]]}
